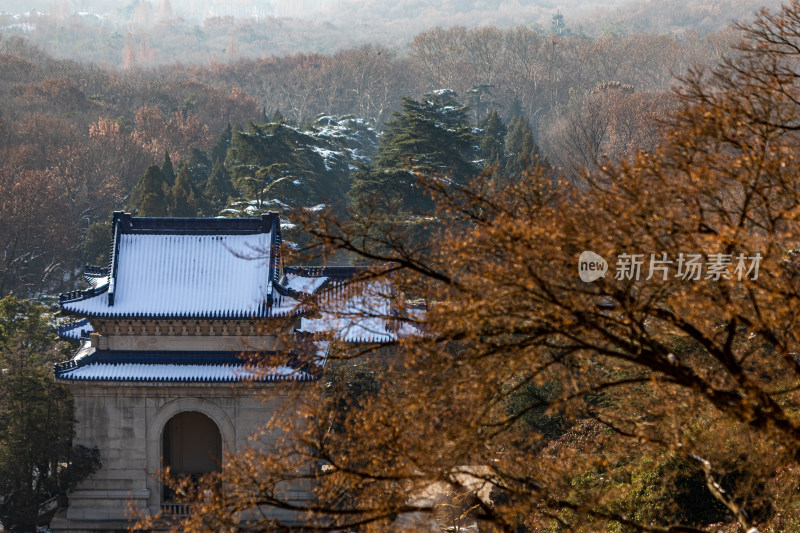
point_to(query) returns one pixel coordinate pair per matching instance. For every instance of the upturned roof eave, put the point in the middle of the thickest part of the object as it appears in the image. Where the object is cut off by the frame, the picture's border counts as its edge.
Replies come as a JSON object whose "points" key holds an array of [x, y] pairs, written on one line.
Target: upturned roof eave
{"points": [[232, 361]]}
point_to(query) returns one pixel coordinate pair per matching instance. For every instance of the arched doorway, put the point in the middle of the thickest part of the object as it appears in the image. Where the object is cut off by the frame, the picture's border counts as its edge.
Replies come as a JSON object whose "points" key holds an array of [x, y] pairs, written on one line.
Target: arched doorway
{"points": [[191, 446]]}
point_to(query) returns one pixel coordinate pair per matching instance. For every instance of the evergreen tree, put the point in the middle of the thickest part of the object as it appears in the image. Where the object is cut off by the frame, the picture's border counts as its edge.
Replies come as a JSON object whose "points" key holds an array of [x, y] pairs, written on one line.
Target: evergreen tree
{"points": [[480, 100], [430, 135], [277, 162], [167, 170], [392, 188], [37, 459], [184, 197], [267, 152], [558, 26], [493, 141], [245, 148], [149, 198], [221, 145], [521, 149], [277, 117], [152, 205], [199, 166], [515, 110], [95, 249], [218, 189]]}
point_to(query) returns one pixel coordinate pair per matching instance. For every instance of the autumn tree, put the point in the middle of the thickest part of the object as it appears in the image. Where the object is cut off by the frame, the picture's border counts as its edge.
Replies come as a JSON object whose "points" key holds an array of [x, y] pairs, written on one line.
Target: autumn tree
{"points": [[658, 395], [74, 142], [37, 227], [611, 121]]}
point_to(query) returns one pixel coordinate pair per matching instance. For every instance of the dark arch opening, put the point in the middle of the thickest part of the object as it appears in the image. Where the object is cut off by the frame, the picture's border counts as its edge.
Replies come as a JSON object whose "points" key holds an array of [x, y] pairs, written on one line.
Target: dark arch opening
{"points": [[191, 446]]}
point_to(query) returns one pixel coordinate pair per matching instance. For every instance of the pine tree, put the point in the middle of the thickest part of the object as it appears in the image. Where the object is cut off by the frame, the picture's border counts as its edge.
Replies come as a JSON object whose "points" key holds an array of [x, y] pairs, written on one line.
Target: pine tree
{"points": [[184, 197], [244, 149], [431, 135], [167, 170], [221, 145], [515, 110], [493, 141], [95, 249], [149, 197], [521, 149], [152, 206], [392, 188], [199, 166], [558, 26], [480, 100], [218, 189], [274, 146]]}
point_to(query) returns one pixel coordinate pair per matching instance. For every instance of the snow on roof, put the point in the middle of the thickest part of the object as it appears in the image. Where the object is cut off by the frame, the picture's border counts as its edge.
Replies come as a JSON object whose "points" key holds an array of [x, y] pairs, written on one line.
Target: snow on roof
{"points": [[176, 367], [140, 372], [349, 329], [304, 284], [96, 277], [186, 268], [75, 330], [360, 313], [180, 275]]}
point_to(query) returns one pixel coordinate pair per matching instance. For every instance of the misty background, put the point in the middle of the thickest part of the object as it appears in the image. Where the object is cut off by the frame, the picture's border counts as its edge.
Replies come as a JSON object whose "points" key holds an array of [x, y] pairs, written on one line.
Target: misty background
{"points": [[149, 33]]}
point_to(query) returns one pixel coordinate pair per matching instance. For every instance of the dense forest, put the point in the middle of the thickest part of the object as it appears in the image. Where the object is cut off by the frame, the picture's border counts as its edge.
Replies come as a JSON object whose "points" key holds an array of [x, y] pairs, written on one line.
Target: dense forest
{"points": [[78, 138]]}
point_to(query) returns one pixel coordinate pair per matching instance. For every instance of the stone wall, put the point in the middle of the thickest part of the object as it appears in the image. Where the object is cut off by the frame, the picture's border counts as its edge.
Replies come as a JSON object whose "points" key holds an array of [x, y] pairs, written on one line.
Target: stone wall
{"points": [[126, 421]]}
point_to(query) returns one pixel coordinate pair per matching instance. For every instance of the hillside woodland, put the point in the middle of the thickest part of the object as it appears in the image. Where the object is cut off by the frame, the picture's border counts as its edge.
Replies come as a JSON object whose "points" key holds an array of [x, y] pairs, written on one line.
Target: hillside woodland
{"points": [[77, 138]]}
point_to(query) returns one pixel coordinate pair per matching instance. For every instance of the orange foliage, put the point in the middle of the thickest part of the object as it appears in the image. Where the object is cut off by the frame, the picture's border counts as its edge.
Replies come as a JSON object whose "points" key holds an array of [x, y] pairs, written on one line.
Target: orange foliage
{"points": [[528, 399]]}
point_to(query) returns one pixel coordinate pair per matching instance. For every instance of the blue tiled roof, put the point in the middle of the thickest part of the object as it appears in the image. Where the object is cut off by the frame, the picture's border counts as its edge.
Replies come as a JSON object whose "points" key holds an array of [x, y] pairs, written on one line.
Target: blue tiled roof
{"points": [[76, 330], [176, 367], [187, 267]]}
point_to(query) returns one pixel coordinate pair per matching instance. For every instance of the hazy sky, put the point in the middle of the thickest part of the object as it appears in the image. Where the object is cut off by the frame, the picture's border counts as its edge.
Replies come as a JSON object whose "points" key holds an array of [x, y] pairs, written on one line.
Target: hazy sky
{"points": [[314, 9]]}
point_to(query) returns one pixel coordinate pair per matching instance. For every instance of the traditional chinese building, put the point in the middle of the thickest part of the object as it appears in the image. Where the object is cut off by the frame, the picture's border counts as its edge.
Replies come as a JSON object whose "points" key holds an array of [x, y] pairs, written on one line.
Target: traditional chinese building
{"points": [[159, 378]]}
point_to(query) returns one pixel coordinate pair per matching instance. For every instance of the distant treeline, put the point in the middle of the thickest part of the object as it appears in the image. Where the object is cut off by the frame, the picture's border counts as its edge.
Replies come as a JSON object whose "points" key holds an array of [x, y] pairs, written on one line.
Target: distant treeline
{"points": [[157, 32], [489, 67]]}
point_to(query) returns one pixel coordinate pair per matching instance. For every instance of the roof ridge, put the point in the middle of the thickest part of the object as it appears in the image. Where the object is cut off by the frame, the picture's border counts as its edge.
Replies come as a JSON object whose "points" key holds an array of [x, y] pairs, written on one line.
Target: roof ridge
{"points": [[194, 225]]}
